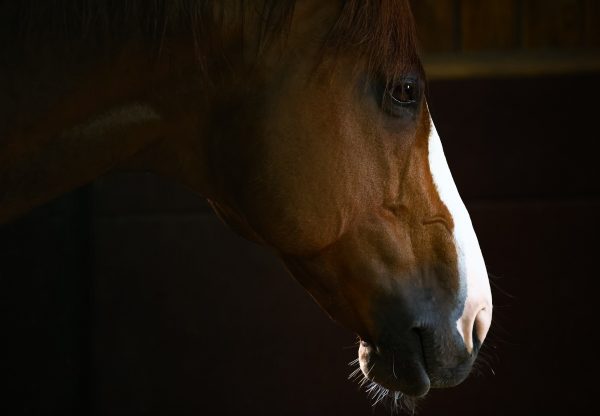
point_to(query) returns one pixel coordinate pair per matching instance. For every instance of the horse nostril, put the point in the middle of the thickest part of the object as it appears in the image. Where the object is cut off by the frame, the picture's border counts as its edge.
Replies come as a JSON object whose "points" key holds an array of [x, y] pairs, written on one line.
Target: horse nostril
{"points": [[481, 325], [474, 324]]}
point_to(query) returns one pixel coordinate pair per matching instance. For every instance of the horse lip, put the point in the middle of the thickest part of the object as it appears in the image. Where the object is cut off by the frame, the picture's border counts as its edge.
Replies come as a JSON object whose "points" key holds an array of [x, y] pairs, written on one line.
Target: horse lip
{"points": [[365, 341], [442, 374], [413, 380], [423, 351]]}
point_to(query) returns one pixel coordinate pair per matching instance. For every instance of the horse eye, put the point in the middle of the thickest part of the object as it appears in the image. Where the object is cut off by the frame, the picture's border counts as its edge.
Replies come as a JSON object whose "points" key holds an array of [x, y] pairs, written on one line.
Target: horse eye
{"points": [[404, 92]]}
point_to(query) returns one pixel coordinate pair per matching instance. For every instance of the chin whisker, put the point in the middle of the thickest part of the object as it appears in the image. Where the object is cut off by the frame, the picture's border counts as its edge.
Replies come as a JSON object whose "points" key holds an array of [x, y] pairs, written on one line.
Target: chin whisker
{"points": [[354, 374], [395, 401]]}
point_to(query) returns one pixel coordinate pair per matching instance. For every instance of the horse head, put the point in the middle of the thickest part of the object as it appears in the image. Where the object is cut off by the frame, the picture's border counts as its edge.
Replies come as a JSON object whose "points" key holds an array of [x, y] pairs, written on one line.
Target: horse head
{"points": [[332, 159], [305, 124]]}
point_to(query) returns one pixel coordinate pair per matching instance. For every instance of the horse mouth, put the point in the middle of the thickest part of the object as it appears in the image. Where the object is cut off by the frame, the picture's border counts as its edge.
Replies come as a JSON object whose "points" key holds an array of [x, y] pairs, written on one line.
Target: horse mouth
{"points": [[415, 364], [402, 368]]}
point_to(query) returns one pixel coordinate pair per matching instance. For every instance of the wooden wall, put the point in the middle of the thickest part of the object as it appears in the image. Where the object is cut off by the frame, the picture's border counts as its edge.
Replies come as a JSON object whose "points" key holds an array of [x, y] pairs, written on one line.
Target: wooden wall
{"points": [[553, 35], [476, 25]]}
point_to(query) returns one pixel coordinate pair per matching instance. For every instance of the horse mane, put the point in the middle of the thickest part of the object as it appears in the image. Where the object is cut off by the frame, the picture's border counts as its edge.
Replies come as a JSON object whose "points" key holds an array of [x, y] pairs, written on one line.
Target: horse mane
{"points": [[384, 33], [382, 30]]}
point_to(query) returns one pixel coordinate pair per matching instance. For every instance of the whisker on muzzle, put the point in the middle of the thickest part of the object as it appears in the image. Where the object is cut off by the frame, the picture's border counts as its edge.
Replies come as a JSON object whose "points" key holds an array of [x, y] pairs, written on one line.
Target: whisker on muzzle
{"points": [[395, 401]]}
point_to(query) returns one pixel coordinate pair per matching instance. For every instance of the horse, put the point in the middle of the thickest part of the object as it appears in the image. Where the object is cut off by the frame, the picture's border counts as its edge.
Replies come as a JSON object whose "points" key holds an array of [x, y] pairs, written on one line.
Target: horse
{"points": [[303, 123]]}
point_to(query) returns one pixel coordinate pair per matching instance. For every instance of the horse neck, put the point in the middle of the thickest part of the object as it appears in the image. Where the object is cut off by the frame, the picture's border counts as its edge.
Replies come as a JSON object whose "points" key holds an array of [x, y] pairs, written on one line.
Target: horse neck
{"points": [[64, 123], [70, 116]]}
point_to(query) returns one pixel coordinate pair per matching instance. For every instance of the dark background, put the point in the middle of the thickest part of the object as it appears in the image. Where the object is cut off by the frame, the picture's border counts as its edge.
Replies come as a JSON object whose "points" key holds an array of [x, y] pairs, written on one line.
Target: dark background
{"points": [[129, 297]]}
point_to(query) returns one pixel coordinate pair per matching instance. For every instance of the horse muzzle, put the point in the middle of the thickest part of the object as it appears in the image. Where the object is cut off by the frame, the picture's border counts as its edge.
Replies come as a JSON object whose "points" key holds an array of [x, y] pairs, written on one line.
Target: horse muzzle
{"points": [[417, 360], [398, 369]]}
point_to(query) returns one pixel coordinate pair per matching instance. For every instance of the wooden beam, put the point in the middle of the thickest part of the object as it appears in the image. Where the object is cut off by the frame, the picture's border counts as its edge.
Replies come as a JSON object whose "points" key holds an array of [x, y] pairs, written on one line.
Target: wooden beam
{"points": [[510, 64]]}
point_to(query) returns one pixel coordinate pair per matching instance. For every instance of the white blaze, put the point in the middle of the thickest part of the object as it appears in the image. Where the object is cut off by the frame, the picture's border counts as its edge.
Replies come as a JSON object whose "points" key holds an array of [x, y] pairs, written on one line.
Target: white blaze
{"points": [[471, 267]]}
